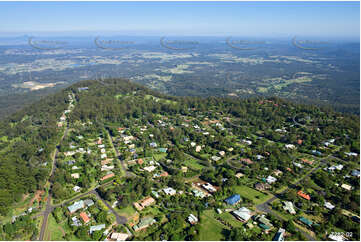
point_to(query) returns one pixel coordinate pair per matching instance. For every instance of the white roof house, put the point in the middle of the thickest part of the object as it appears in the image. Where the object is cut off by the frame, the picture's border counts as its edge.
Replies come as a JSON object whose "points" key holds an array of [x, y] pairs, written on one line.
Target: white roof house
{"points": [[290, 146], [289, 207], [347, 187], [96, 228], [209, 187], [149, 168], [169, 191], [271, 179], [192, 219], [75, 175], [243, 214], [119, 236], [76, 188], [329, 205]]}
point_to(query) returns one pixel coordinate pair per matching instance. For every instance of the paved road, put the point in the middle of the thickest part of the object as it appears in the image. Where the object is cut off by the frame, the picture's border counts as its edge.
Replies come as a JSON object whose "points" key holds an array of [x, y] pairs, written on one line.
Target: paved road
{"points": [[49, 208], [120, 219], [121, 161]]}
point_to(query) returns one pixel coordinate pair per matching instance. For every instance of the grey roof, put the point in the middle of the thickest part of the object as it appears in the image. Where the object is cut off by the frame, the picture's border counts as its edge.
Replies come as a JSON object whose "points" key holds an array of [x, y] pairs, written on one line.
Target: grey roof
{"points": [[76, 206], [96, 228], [89, 202]]}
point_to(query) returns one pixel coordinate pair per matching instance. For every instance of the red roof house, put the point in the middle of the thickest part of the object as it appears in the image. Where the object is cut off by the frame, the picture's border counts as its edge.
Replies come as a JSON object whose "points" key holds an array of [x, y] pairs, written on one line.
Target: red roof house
{"points": [[84, 217], [304, 195]]}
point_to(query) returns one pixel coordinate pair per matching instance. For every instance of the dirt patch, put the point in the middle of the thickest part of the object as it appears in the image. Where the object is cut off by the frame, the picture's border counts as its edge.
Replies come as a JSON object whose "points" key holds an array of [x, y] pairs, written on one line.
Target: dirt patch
{"points": [[37, 197]]}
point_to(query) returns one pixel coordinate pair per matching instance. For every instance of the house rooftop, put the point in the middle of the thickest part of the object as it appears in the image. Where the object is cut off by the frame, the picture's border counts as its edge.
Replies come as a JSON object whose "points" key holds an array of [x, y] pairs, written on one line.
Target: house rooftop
{"points": [[235, 198]]}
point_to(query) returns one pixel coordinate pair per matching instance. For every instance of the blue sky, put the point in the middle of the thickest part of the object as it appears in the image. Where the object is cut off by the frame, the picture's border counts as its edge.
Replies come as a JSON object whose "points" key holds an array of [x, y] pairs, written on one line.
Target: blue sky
{"points": [[282, 19]]}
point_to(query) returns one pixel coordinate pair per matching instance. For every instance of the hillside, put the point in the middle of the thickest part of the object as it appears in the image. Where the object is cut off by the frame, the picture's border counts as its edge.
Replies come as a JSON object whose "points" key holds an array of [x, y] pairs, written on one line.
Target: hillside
{"points": [[214, 138]]}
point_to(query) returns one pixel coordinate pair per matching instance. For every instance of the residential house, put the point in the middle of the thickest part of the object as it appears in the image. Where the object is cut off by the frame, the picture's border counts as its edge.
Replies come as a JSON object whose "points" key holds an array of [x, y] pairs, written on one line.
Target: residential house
{"points": [[271, 179], [149, 168], [305, 221], [329, 206], [277, 172], [246, 161], [262, 186], [198, 193], [107, 168], [76, 221], [290, 146], [304, 195], [153, 145], [84, 217], [75, 175], [243, 214], [215, 158], [184, 169], [234, 199], [76, 189], [88, 202], [119, 236], [144, 223], [310, 162], [169, 191], [239, 175], [162, 150], [355, 173], [264, 223], [76, 206], [288, 206], [280, 235], [346, 187], [106, 162], [156, 195], [209, 187], [107, 176], [192, 219], [96, 228], [351, 154], [140, 205]]}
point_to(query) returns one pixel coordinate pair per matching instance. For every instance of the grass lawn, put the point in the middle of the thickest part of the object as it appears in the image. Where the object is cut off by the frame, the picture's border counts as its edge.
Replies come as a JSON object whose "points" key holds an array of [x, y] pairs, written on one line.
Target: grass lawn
{"points": [[230, 219], [211, 229], [53, 230], [250, 193], [126, 212], [159, 156], [193, 164]]}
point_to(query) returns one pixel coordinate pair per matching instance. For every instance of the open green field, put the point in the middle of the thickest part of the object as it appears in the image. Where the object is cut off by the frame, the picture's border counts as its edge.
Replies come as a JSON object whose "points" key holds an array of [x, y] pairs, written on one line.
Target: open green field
{"points": [[159, 156], [126, 212], [250, 193], [211, 229], [230, 219], [193, 164], [53, 230], [157, 99]]}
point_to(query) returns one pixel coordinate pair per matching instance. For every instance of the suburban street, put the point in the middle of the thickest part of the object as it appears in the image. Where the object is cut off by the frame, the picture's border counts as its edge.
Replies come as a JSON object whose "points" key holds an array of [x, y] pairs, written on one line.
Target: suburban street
{"points": [[49, 208]]}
